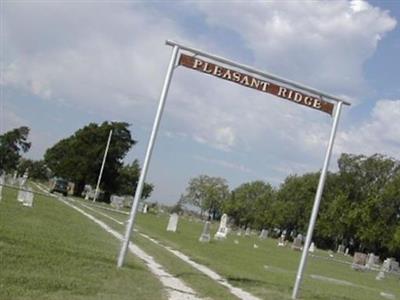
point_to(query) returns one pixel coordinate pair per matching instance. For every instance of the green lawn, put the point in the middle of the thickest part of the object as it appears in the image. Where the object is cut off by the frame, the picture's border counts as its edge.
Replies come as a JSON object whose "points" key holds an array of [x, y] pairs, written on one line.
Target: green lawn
{"points": [[53, 252], [268, 271]]}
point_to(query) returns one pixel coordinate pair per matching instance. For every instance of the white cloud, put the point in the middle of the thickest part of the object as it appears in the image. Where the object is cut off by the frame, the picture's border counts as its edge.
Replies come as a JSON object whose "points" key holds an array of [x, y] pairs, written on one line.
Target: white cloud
{"points": [[324, 44], [378, 134], [110, 58]]}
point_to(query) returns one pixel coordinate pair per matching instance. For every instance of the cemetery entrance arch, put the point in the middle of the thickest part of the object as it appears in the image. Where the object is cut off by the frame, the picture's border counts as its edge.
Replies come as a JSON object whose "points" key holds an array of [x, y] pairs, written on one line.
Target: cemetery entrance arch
{"points": [[264, 82]]}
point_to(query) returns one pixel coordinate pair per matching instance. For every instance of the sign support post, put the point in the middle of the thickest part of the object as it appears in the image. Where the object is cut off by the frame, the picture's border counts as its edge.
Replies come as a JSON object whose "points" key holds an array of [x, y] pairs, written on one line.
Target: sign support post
{"points": [[102, 167], [139, 188], [317, 201]]}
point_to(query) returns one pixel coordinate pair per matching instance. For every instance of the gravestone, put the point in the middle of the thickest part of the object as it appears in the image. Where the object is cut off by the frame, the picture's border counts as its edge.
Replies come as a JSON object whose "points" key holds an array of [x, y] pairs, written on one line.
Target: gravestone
{"points": [[21, 196], [372, 260], [117, 202], [312, 248], [222, 229], [394, 265], [239, 232], [145, 207], [264, 234], [297, 243], [281, 241], [28, 199], [340, 249], [247, 232], [173, 222], [205, 235], [2, 180], [359, 261], [380, 276], [346, 252], [390, 265], [128, 200]]}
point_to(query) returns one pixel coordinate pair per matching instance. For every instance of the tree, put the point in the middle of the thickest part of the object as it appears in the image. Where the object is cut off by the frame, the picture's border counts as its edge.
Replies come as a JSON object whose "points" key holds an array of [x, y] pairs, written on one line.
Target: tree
{"points": [[128, 177], [12, 144], [207, 193], [250, 204], [295, 200], [79, 157], [37, 169]]}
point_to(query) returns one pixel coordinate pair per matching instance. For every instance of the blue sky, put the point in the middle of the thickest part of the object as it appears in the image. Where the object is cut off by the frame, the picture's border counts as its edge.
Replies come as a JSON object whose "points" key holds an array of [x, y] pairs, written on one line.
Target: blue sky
{"points": [[65, 64]]}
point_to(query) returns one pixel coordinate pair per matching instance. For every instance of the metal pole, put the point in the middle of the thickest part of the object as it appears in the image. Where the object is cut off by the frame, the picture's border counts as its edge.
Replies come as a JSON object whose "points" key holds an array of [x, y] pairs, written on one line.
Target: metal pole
{"points": [[102, 167], [139, 189], [317, 201]]}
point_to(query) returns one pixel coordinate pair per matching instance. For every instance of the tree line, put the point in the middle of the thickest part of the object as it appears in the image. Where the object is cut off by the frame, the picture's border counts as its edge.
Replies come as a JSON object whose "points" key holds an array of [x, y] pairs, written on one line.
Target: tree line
{"points": [[360, 206], [78, 158]]}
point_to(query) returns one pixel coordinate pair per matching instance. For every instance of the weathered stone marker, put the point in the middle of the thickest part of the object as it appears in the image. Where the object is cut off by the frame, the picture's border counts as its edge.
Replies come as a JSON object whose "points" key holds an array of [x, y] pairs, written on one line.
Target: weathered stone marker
{"points": [[28, 198], [359, 261], [263, 235], [222, 229], [117, 202], [173, 222], [297, 243], [205, 235]]}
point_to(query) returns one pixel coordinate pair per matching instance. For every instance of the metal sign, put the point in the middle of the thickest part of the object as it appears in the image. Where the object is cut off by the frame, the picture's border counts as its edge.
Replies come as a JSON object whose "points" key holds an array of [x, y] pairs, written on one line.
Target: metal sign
{"points": [[203, 66]]}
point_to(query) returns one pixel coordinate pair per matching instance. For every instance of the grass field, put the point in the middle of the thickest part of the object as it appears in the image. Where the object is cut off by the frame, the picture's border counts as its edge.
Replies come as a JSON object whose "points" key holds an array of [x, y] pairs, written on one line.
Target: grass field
{"points": [[268, 271], [52, 252]]}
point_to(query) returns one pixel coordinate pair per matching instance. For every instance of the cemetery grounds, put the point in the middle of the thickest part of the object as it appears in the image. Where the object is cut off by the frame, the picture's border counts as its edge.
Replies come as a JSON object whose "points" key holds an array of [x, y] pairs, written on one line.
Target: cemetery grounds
{"points": [[51, 251]]}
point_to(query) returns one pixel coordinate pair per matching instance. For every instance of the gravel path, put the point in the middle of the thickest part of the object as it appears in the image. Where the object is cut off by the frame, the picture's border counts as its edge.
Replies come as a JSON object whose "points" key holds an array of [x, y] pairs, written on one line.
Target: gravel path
{"points": [[176, 288]]}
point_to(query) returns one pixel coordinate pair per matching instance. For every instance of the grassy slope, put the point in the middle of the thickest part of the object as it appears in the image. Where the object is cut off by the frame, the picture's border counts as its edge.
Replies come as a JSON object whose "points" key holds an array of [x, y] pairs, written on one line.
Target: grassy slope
{"points": [[268, 271], [52, 252], [203, 285]]}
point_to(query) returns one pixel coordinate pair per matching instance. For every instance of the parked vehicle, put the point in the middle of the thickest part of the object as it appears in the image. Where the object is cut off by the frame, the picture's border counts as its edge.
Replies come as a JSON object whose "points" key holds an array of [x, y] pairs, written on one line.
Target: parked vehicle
{"points": [[59, 185]]}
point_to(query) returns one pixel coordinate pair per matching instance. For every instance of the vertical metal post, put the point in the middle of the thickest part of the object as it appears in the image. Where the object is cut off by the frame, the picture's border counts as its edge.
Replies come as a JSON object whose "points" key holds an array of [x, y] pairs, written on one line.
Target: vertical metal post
{"points": [[139, 189], [102, 167], [317, 201]]}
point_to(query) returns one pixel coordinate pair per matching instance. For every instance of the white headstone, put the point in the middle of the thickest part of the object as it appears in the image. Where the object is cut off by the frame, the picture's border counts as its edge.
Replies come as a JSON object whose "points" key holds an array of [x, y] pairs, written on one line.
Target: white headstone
{"points": [[371, 259], [247, 232], [281, 241], [28, 199], [346, 252], [117, 202], [21, 196], [340, 249], [222, 229], [205, 235], [312, 248], [264, 234], [2, 180], [145, 207], [173, 222]]}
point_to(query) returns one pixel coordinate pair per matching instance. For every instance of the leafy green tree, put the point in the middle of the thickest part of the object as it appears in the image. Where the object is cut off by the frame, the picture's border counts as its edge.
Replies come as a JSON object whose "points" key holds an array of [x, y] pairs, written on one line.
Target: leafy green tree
{"points": [[128, 177], [295, 200], [12, 144], [207, 193], [250, 204], [37, 169], [79, 157]]}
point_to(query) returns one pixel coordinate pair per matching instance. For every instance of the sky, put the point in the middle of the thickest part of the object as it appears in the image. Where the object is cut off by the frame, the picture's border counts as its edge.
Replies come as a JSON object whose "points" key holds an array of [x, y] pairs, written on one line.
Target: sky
{"points": [[66, 64]]}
